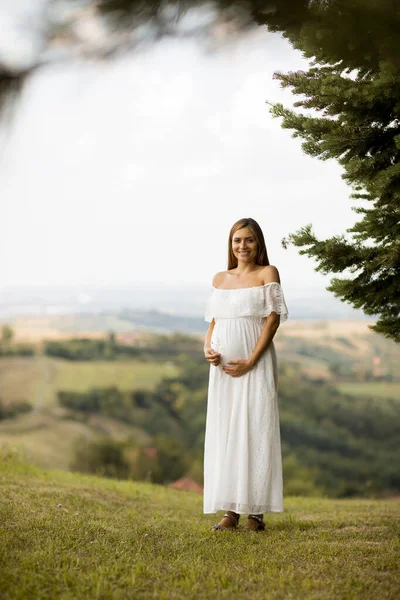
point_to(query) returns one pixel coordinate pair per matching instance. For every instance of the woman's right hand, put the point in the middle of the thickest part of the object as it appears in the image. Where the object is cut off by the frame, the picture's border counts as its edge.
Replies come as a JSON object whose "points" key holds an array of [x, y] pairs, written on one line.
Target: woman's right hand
{"points": [[211, 356]]}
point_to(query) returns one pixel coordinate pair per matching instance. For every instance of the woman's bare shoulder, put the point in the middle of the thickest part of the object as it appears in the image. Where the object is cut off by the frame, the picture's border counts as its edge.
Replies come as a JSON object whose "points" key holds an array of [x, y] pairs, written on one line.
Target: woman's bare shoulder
{"points": [[269, 274], [219, 278]]}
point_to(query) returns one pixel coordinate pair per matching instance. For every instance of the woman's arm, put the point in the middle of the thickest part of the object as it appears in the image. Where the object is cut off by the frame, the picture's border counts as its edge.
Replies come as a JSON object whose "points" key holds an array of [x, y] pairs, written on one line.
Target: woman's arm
{"points": [[266, 336], [211, 356], [207, 341]]}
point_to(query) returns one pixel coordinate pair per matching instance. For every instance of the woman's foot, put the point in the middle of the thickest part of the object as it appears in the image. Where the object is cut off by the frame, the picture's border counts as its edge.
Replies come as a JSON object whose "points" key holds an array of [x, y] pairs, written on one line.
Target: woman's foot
{"points": [[230, 520], [255, 523]]}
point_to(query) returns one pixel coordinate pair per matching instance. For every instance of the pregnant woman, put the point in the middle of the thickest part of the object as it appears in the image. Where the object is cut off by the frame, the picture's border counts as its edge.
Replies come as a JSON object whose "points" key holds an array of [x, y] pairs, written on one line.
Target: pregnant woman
{"points": [[242, 451]]}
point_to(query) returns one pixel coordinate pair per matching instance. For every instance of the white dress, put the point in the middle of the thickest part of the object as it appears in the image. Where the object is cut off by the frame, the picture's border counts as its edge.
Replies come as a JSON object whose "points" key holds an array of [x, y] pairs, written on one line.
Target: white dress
{"points": [[242, 449]]}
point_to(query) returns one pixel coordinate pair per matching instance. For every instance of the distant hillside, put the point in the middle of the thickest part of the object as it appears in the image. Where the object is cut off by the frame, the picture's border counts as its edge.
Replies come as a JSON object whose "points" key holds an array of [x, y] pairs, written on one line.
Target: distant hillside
{"points": [[339, 392], [162, 322], [61, 325], [49, 433], [342, 352], [333, 443]]}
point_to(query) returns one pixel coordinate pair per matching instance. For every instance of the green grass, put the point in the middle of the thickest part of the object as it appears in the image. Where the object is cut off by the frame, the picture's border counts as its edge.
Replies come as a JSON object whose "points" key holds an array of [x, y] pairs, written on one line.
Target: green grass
{"points": [[38, 379], [125, 540], [373, 389]]}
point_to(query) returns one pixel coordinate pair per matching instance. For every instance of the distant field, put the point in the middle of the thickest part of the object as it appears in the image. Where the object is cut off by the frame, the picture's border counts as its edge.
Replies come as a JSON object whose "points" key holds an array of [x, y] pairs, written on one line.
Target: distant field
{"points": [[35, 328], [375, 389], [38, 379], [330, 328]]}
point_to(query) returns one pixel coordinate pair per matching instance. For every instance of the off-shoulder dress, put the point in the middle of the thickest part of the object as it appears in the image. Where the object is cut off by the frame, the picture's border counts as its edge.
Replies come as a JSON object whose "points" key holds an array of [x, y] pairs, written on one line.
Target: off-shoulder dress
{"points": [[242, 449]]}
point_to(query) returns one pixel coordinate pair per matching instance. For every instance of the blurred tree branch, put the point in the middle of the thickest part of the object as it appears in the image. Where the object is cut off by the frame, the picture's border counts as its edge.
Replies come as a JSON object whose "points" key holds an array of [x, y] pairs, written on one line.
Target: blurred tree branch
{"points": [[102, 29]]}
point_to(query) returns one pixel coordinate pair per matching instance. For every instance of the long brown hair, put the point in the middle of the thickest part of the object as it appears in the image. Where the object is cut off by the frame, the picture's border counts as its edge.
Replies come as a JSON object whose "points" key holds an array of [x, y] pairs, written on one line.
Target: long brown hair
{"points": [[262, 255]]}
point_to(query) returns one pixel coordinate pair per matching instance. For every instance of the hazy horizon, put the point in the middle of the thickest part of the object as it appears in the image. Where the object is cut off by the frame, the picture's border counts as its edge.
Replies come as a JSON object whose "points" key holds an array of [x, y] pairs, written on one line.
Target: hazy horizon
{"points": [[183, 299]]}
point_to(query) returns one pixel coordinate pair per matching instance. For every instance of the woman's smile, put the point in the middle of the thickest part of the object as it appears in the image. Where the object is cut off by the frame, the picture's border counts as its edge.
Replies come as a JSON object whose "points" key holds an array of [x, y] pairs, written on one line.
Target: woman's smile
{"points": [[244, 244]]}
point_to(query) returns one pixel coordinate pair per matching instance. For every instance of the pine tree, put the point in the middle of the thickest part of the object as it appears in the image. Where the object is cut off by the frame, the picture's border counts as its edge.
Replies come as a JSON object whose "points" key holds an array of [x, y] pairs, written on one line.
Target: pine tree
{"points": [[351, 94]]}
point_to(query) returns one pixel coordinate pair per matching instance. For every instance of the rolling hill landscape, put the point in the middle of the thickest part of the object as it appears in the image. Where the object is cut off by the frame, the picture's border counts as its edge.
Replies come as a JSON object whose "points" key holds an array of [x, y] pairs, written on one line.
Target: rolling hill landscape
{"points": [[339, 394]]}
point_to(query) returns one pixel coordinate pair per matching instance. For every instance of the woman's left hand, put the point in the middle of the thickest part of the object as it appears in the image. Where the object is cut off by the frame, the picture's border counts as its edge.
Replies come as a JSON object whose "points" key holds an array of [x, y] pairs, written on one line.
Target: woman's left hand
{"points": [[237, 368]]}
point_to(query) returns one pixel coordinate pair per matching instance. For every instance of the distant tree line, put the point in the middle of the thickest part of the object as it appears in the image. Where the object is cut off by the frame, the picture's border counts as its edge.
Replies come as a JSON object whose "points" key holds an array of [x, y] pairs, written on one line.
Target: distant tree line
{"points": [[10, 348], [9, 410], [332, 444], [159, 347]]}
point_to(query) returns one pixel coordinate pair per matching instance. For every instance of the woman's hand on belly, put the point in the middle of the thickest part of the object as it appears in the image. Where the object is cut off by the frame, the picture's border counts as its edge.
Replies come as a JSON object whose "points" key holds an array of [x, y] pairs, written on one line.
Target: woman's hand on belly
{"points": [[212, 356], [237, 368]]}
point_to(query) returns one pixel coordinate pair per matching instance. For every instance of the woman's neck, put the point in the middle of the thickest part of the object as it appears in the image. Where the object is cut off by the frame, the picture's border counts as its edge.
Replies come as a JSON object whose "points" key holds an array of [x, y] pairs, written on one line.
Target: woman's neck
{"points": [[245, 269]]}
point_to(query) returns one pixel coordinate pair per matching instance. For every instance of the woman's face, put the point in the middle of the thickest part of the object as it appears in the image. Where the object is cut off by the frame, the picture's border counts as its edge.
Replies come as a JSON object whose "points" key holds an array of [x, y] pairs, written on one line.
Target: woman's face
{"points": [[244, 245]]}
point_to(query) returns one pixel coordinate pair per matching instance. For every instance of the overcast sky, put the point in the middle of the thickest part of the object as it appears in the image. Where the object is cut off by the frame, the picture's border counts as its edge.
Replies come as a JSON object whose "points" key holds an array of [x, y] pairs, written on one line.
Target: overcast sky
{"points": [[135, 170]]}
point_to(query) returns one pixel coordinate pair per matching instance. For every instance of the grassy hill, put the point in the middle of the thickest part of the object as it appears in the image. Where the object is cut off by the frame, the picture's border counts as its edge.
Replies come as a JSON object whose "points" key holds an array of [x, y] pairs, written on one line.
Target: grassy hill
{"points": [[48, 434], [342, 352], [71, 536], [338, 402]]}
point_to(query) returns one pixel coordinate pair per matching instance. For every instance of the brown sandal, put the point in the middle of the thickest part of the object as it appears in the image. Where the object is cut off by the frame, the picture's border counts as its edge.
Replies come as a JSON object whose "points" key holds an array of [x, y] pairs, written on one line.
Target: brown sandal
{"points": [[260, 523], [235, 520]]}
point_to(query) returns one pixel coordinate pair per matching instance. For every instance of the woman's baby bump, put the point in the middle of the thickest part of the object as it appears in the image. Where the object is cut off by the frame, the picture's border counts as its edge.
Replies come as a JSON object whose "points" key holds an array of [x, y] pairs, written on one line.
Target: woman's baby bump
{"points": [[230, 348]]}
